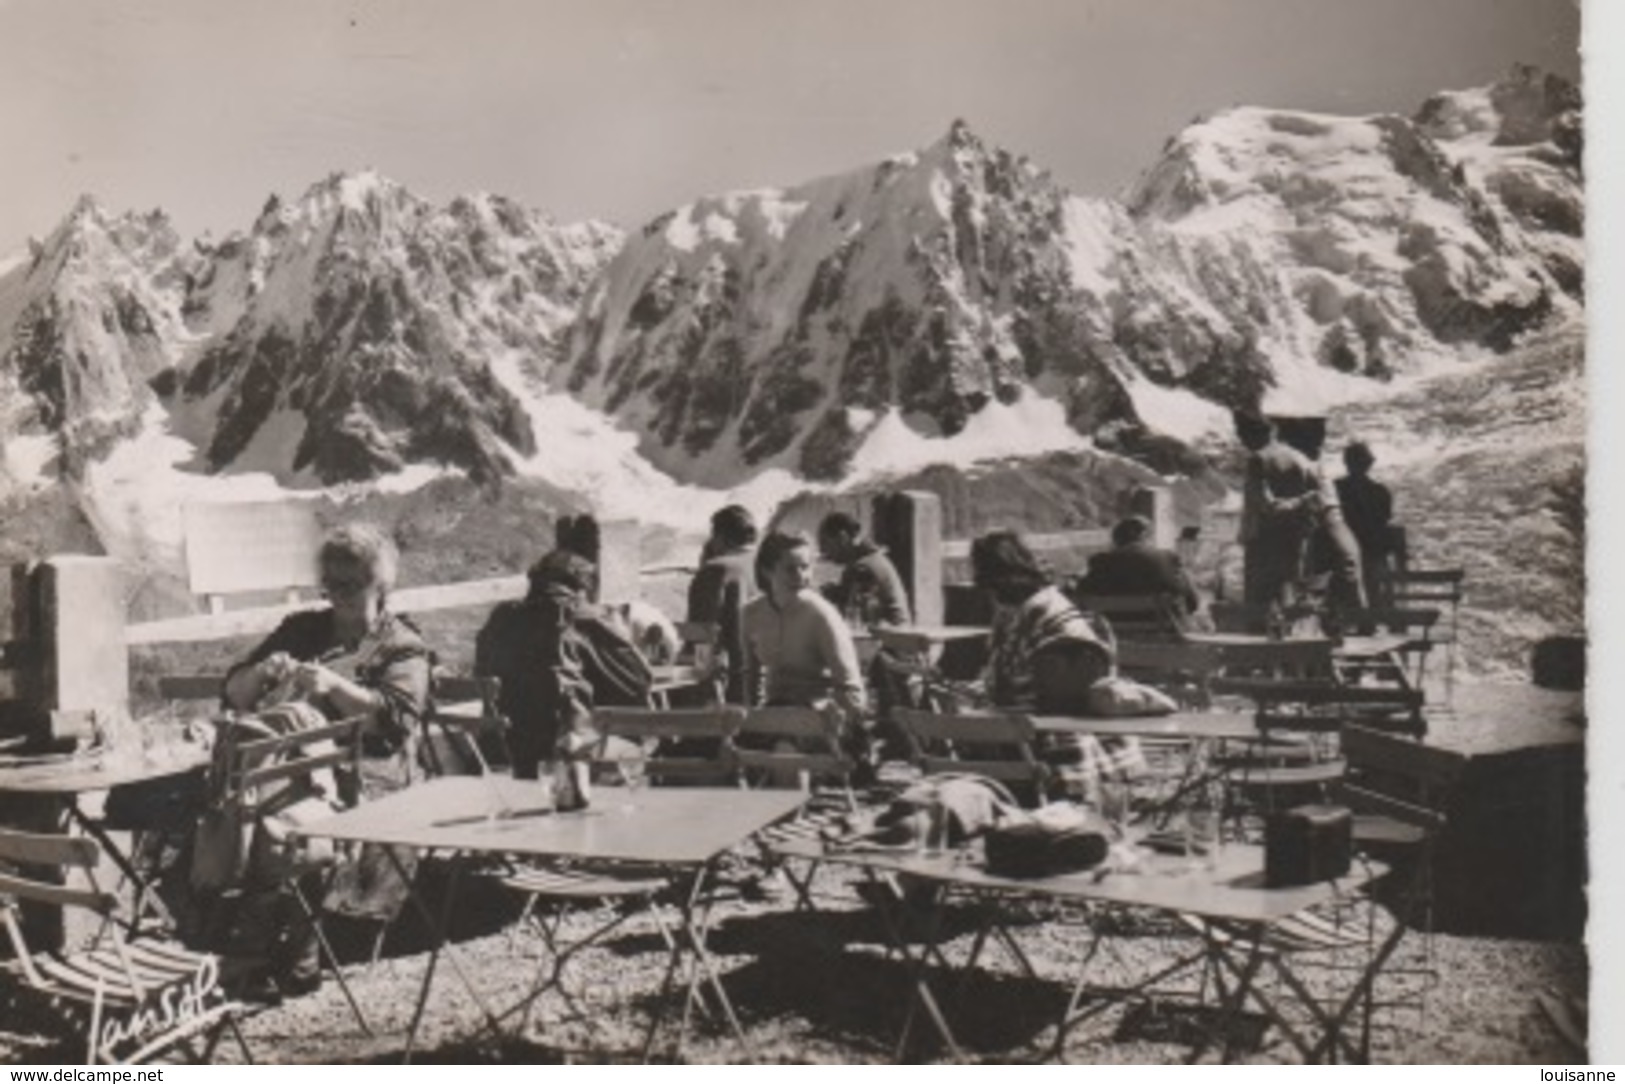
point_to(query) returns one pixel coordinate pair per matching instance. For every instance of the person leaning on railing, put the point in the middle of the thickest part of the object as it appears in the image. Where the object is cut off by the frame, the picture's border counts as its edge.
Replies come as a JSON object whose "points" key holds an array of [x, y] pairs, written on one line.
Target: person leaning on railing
{"points": [[353, 657]]}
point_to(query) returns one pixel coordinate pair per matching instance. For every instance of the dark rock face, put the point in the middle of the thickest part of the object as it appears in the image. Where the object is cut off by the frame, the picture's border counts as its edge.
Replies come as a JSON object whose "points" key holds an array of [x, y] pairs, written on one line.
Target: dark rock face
{"points": [[90, 328], [779, 326], [387, 363]]}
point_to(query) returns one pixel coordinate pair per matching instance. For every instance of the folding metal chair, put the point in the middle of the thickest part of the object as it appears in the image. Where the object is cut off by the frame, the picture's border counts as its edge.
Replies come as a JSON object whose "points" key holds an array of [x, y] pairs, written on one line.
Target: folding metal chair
{"points": [[138, 998], [262, 774], [677, 745], [554, 892], [458, 745], [1441, 588], [795, 747]]}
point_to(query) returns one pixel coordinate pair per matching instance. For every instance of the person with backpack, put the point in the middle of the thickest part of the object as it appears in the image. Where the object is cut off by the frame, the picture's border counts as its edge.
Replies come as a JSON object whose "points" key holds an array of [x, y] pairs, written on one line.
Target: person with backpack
{"points": [[557, 657]]}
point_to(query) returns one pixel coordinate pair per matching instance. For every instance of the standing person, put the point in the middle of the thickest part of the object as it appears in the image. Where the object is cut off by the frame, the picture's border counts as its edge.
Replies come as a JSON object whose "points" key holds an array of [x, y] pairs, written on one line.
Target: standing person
{"points": [[1368, 507], [724, 584], [870, 592], [1335, 551], [797, 648], [355, 657], [1280, 503]]}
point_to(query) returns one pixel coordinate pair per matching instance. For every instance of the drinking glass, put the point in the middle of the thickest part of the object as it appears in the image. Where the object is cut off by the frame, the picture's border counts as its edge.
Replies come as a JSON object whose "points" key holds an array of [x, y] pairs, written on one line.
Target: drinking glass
{"points": [[931, 837], [634, 773], [1202, 840], [1114, 804]]}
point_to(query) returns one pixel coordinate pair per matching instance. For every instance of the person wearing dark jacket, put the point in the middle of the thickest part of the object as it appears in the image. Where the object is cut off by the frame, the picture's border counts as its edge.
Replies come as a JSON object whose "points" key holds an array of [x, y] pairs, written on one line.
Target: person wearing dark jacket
{"points": [[1368, 509], [545, 694], [725, 582], [1133, 566], [870, 592]]}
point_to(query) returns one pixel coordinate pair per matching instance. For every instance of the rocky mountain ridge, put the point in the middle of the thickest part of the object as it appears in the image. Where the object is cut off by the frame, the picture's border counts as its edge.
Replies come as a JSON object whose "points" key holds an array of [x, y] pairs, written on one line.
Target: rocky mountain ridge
{"points": [[1268, 257]]}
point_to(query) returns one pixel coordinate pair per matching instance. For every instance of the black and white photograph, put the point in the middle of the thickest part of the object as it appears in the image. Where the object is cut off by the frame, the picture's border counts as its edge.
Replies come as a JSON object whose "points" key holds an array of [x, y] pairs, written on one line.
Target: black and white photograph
{"points": [[738, 531]]}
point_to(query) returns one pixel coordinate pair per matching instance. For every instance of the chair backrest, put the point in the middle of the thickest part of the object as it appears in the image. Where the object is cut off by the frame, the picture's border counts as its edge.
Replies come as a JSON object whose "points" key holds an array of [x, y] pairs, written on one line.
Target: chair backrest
{"points": [[1305, 659], [1137, 617], [1000, 745], [1182, 669], [452, 745], [1412, 620], [680, 744], [54, 855], [257, 763], [1320, 705], [1409, 586], [1399, 777], [789, 741]]}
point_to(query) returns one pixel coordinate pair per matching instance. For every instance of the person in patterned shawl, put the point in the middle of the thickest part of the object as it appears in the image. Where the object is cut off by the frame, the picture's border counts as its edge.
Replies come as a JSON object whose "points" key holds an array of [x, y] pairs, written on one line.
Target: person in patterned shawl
{"points": [[1044, 655]]}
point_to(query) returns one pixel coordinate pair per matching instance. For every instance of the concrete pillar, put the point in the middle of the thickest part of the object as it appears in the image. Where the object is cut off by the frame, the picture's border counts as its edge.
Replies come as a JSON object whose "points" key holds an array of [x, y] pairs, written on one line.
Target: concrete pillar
{"points": [[909, 525], [86, 660], [1156, 504]]}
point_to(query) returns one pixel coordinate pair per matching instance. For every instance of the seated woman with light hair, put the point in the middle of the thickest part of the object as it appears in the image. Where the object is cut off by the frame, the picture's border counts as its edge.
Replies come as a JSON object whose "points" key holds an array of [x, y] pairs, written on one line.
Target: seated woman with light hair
{"points": [[353, 657]]}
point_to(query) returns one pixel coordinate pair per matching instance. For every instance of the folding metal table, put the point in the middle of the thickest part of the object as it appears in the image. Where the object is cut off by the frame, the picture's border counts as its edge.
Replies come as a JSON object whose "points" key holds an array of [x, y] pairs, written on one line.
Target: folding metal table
{"points": [[1232, 893], [65, 779], [683, 830]]}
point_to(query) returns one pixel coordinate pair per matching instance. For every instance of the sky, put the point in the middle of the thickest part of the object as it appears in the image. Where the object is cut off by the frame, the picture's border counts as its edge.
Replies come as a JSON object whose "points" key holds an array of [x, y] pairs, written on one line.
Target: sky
{"points": [[623, 109]]}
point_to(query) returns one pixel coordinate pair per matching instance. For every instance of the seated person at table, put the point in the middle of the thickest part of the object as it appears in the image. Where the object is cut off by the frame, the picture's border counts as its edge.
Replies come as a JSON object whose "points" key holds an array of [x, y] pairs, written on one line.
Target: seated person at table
{"points": [[1133, 566], [798, 650], [556, 657], [722, 587], [354, 657], [1043, 657], [870, 592]]}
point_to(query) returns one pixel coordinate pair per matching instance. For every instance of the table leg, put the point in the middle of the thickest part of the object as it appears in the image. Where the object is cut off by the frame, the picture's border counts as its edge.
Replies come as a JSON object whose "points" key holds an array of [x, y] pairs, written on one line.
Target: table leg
{"points": [[1071, 1017], [687, 945], [1246, 987], [922, 997], [145, 895], [437, 928]]}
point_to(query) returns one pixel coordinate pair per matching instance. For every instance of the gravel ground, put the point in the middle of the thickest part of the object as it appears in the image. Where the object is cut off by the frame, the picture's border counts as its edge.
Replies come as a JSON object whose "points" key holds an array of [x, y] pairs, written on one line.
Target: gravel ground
{"points": [[821, 988]]}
